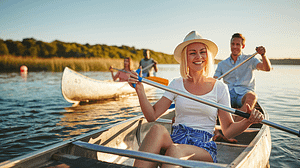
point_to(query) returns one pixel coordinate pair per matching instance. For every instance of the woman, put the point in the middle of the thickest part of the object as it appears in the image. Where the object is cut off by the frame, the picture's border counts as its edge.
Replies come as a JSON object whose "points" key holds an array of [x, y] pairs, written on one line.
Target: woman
{"points": [[194, 121], [123, 76]]}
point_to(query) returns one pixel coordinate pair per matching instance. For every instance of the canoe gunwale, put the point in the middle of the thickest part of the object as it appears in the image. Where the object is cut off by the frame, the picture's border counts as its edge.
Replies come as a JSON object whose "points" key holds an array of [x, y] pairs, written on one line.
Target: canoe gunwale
{"points": [[263, 134]]}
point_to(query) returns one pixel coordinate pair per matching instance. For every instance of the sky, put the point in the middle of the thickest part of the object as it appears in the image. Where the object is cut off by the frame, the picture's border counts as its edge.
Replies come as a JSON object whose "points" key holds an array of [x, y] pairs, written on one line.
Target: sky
{"points": [[157, 24]]}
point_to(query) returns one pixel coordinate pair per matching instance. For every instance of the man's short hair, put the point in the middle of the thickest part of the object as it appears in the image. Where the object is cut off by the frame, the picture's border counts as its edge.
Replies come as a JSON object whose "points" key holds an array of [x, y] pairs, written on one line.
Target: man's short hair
{"points": [[145, 52], [239, 35]]}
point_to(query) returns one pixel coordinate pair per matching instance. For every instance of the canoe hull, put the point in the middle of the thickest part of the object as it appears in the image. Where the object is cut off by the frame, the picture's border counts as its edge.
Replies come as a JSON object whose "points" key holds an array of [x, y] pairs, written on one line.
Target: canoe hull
{"points": [[78, 88]]}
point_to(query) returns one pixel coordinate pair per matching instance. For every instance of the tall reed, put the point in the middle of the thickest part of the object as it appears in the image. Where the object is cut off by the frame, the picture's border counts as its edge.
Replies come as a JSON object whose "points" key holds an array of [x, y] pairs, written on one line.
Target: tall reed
{"points": [[12, 64]]}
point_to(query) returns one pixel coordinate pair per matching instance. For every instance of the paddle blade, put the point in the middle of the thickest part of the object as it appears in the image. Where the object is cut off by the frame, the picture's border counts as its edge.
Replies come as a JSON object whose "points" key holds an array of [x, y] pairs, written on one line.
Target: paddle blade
{"points": [[158, 80]]}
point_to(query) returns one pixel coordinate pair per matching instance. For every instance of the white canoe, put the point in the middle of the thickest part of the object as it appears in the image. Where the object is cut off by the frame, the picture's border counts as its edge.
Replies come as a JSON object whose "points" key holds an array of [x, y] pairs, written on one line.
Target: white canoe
{"points": [[117, 146], [78, 88]]}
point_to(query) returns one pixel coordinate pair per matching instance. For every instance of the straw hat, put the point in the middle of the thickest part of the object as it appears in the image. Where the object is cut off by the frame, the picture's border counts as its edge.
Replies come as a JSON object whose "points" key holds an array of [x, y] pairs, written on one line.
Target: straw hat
{"points": [[193, 37]]}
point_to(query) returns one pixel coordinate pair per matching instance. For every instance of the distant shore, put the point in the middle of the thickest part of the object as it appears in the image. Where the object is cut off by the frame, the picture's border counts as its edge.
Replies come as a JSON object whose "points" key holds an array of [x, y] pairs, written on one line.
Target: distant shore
{"points": [[286, 61], [12, 63]]}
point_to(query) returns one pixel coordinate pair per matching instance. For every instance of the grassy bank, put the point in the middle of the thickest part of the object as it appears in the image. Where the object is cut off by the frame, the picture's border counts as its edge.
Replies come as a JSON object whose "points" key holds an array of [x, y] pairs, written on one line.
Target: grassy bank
{"points": [[10, 63], [13, 64]]}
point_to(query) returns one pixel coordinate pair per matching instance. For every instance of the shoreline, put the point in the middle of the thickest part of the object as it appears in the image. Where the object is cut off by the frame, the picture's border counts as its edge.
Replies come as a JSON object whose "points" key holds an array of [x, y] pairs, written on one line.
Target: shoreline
{"points": [[284, 61], [13, 63]]}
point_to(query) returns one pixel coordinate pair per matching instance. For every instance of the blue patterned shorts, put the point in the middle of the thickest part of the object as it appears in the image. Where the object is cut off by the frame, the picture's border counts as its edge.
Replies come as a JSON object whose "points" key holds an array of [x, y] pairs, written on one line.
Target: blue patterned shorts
{"points": [[185, 135]]}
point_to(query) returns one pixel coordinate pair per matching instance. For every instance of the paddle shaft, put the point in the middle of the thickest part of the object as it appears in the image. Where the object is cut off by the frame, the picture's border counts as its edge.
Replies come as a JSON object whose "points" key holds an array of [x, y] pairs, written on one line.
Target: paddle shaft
{"points": [[121, 70], [219, 106], [149, 66], [234, 68], [144, 155]]}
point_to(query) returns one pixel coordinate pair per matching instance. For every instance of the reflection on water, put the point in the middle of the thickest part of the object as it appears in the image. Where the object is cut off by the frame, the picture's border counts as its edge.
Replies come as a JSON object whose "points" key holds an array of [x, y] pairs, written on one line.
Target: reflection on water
{"points": [[24, 76], [102, 113]]}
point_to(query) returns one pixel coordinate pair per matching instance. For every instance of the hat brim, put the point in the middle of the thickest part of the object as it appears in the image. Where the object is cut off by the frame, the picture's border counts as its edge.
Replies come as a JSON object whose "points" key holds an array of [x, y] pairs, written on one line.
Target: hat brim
{"points": [[212, 47]]}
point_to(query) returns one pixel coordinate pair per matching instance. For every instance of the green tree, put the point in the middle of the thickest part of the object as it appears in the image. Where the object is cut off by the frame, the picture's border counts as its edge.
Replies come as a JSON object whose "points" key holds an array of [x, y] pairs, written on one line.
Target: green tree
{"points": [[20, 49], [29, 42], [33, 51], [32, 47], [97, 50], [3, 48], [52, 49], [62, 49], [11, 47]]}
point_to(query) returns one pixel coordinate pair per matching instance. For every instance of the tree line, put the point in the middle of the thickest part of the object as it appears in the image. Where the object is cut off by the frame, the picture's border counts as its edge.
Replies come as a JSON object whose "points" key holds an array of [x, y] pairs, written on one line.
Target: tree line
{"points": [[30, 47]]}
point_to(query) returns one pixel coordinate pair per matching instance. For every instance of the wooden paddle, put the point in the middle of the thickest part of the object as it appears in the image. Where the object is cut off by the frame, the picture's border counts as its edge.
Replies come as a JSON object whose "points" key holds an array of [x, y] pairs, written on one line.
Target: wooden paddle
{"points": [[160, 80], [216, 105], [234, 68]]}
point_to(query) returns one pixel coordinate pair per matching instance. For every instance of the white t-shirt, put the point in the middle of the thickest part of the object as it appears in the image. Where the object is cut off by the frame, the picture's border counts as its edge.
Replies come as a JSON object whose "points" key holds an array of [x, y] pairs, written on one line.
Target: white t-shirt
{"points": [[195, 114]]}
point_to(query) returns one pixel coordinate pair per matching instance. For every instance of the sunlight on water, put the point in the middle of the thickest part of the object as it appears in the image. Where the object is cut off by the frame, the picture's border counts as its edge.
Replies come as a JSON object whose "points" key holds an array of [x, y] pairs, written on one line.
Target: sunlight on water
{"points": [[279, 93]]}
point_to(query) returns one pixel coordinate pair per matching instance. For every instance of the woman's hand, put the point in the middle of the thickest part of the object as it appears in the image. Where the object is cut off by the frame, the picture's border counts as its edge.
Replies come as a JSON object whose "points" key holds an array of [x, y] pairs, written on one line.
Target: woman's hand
{"points": [[133, 80], [255, 116]]}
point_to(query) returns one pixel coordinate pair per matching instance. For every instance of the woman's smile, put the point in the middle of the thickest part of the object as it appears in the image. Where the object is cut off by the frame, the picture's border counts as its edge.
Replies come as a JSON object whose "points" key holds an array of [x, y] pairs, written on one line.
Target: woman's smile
{"points": [[198, 62]]}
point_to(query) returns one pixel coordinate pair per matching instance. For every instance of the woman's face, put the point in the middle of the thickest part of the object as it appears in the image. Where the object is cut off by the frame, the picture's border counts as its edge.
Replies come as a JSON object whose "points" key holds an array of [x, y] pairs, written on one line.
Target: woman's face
{"points": [[196, 56], [126, 62]]}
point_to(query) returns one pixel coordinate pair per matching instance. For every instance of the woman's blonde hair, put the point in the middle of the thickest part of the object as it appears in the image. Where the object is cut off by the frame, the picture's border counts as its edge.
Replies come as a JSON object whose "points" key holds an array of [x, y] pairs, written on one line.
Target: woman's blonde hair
{"points": [[208, 69]]}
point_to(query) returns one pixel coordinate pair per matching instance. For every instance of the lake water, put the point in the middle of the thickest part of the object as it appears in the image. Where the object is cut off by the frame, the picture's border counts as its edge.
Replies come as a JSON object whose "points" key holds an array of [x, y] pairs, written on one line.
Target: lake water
{"points": [[34, 114]]}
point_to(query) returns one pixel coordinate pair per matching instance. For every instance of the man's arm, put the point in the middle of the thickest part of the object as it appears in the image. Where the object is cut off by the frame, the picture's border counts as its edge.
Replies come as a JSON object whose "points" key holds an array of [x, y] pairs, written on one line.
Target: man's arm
{"points": [[218, 71], [155, 66], [265, 65]]}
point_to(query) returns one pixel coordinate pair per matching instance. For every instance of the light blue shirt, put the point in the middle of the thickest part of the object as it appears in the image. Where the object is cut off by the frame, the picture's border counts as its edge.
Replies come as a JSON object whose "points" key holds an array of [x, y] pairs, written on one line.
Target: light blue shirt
{"points": [[241, 79]]}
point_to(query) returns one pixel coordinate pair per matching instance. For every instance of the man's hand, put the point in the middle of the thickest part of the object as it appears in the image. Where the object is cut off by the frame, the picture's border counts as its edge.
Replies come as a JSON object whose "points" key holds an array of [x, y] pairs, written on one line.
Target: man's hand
{"points": [[155, 62], [261, 50]]}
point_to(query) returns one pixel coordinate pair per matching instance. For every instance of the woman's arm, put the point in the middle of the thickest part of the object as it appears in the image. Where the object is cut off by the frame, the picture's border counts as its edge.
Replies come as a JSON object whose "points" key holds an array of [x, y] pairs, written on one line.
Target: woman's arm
{"points": [[150, 112], [231, 129], [115, 77]]}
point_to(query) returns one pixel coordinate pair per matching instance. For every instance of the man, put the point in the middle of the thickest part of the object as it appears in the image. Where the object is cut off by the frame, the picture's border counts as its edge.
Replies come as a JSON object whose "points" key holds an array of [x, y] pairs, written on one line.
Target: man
{"points": [[241, 82], [147, 63]]}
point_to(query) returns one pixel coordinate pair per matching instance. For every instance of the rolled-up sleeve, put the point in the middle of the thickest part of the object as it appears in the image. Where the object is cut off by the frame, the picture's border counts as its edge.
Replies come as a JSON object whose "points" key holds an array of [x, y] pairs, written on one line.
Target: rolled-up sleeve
{"points": [[218, 71]]}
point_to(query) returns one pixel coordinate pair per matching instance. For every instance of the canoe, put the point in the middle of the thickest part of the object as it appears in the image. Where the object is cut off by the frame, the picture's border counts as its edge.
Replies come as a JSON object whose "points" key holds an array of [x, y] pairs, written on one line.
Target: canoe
{"points": [[78, 88], [117, 145]]}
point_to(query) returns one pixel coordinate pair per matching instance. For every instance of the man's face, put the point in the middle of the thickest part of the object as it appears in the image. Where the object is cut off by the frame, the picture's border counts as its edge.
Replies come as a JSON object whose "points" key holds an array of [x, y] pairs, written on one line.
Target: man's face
{"points": [[147, 54], [236, 46]]}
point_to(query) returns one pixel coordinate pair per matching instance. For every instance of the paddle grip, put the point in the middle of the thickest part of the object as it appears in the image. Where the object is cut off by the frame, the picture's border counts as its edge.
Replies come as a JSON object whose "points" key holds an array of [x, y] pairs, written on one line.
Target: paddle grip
{"points": [[242, 114], [139, 78]]}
